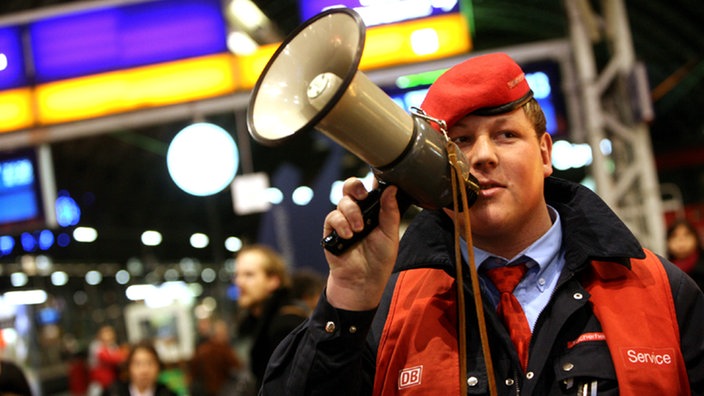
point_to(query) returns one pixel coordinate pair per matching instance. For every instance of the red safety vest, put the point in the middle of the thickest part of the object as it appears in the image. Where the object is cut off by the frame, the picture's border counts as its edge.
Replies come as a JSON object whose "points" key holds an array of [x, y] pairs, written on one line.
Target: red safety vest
{"points": [[418, 347]]}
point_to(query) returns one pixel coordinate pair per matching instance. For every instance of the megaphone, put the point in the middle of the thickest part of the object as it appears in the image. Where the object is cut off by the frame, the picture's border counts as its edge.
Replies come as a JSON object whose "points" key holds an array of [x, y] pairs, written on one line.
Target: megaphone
{"points": [[312, 82]]}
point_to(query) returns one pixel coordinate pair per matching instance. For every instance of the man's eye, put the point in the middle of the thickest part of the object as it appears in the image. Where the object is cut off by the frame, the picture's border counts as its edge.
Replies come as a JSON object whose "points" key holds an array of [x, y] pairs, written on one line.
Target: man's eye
{"points": [[460, 139], [507, 134]]}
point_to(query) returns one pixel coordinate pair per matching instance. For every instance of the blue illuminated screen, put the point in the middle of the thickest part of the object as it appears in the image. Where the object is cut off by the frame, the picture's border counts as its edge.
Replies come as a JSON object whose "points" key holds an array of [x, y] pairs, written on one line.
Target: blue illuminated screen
{"points": [[12, 73], [114, 38], [20, 193]]}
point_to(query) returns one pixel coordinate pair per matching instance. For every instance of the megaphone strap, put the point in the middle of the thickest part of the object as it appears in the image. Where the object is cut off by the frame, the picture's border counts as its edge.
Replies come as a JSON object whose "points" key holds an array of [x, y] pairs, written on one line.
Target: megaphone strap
{"points": [[459, 185]]}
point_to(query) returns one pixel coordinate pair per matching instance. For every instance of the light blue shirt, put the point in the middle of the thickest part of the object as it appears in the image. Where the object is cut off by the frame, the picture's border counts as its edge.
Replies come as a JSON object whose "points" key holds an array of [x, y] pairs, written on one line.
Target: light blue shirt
{"points": [[544, 267]]}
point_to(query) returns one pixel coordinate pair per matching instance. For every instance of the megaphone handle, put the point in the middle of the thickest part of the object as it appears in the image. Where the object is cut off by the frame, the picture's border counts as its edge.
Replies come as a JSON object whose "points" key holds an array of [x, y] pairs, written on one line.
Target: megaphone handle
{"points": [[370, 212]]}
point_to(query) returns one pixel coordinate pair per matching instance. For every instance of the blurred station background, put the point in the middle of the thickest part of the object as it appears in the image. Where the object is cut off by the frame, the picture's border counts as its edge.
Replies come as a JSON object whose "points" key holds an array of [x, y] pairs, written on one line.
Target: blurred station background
{"points": [[99, 224]]}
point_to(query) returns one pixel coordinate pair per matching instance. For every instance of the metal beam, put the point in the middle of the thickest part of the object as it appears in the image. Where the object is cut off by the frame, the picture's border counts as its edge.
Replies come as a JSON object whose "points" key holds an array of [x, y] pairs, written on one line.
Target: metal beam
{"points": [[626, 178]]}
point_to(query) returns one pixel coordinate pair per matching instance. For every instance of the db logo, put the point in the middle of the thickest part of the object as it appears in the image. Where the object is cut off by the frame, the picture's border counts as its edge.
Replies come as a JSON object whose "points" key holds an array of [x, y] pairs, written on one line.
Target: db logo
{"points": [[410, 376]]}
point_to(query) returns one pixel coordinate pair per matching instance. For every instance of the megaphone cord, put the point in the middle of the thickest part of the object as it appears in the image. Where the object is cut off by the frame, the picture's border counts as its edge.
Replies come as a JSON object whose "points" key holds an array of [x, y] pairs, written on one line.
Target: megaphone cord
{"points": [[459, 183]]}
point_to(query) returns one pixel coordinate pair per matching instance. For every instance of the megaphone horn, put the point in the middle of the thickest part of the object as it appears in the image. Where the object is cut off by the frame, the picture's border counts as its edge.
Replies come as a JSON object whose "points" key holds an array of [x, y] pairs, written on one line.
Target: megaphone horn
{"points": [[312, 82]]}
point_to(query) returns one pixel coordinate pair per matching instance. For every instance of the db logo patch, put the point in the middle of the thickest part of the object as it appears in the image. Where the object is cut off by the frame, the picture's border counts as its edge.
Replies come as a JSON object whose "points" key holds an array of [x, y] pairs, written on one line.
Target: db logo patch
{"points": [[410, 377]]}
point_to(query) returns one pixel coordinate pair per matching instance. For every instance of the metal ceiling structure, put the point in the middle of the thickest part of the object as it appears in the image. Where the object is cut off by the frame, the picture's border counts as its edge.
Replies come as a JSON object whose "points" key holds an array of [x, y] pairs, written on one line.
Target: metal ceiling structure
{"points": [[115, 167]]}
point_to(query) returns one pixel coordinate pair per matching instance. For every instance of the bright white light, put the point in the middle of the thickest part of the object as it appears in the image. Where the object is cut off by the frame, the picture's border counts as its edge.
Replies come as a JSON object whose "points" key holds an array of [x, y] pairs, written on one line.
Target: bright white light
{"points": [[170, 292], [9, 335], [414, 98], [25, 297], [566, 155], [202, 159], [167, 294], [59, 278], [249, 193], [43, 264], [140, 292], [240, 43], [85, 234], [18, 279], [3, 61], [336, 191], [274, 195], [561, 152], [368, 181], [233, 244], [199, 240], [582, 155], [122, 277], [605, 147], [247, 13], [151, 238], [302, 195], [208, 275], [94, 277], [425, 41]]}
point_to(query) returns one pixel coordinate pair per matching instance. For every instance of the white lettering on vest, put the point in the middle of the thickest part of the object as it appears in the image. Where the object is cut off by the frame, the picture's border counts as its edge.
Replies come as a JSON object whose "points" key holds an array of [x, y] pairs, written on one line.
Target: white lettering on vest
{"points": [[410, 377], [649, 356]]}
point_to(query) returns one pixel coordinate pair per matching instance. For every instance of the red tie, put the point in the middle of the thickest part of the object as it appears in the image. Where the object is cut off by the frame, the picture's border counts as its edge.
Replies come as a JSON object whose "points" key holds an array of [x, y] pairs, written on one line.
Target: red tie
{"points": [[509, 309]]}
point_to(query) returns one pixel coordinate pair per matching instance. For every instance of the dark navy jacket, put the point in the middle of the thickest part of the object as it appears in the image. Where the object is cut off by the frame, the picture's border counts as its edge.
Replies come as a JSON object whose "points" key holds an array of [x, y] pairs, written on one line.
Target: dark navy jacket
{"points": [[341, 359]]}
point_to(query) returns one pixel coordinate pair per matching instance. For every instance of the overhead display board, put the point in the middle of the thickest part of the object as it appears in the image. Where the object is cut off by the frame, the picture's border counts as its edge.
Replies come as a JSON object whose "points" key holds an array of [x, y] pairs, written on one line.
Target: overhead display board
{"points": [[118, 38]]}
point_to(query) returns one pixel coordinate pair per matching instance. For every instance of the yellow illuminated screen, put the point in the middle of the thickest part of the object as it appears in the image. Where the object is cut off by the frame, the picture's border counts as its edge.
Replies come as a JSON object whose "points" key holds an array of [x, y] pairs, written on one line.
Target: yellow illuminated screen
{"points": [[16, 109], [150, 86]]}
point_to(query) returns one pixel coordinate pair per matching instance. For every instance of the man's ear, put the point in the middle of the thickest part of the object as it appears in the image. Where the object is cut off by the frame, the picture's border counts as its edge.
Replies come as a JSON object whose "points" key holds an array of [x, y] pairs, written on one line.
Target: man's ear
{"points": [[546, 153]]}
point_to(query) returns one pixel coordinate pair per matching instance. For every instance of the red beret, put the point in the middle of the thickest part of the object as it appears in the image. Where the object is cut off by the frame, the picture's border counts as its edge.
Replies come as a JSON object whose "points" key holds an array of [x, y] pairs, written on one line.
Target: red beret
{"points": [[484, 85]]}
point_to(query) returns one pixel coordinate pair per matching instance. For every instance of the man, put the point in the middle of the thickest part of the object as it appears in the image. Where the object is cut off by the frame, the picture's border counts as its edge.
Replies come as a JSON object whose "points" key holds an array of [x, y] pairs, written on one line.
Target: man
{"points": [[263, 282], [214, 364], [604, 316]]}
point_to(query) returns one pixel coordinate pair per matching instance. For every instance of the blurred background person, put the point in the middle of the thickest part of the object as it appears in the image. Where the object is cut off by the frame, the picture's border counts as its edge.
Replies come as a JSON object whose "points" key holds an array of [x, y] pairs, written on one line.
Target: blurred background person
{"points": [[269, 311], [142, 366], [104, 360], [13, 381], [306, 286], [215, 368], [684, 248]]}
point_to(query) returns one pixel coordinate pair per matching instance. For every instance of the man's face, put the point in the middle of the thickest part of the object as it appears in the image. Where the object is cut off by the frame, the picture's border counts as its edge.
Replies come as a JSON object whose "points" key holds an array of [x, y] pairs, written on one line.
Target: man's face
{"points": [[511, 163], [254, 284]]}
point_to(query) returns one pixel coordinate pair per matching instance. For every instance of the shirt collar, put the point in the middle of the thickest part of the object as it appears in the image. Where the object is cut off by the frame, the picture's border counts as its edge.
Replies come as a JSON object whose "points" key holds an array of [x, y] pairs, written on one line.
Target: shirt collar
{"points": [[541, 252]]}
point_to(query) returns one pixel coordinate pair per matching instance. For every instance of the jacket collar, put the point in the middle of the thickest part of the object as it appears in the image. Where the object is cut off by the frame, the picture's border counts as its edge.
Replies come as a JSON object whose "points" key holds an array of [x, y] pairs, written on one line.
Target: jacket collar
{"points": [[591, 231]]}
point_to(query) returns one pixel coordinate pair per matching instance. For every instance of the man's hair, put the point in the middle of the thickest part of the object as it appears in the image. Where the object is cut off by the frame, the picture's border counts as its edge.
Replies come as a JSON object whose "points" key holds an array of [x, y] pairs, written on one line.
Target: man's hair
{"points": [[536, 116], [274, 263]]}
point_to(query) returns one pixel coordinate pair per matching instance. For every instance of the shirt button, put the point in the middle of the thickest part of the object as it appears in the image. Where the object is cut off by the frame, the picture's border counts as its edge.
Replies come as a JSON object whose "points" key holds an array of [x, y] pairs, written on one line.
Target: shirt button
{"points": [[472, 381], [567, 366], [529, 375], [330, 327], [509, 382], [578, 296], [353, 329]]}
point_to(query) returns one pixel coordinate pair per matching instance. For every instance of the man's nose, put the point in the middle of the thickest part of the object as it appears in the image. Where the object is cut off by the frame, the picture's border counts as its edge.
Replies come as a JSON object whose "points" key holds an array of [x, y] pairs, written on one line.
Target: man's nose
{"points": [[483, 153]]}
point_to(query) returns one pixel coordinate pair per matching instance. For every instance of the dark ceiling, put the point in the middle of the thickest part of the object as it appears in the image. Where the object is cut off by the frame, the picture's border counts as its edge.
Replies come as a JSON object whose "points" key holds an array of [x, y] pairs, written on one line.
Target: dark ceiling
{"points": [[121, 183]]}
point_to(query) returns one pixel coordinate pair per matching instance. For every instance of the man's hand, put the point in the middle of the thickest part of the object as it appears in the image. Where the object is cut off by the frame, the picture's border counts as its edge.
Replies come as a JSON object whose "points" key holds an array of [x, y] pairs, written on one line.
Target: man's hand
{"points": [[358, 276]]}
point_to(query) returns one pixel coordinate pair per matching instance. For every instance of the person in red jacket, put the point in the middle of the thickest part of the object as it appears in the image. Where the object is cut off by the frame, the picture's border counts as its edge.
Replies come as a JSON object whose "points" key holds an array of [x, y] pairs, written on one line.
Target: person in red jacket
{"points": [[602, 315], [105, 358]]}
